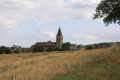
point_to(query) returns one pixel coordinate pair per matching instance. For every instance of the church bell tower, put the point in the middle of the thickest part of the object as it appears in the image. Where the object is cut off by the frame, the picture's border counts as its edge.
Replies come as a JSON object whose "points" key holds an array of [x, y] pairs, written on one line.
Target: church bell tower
{"points": [[59, 38]]}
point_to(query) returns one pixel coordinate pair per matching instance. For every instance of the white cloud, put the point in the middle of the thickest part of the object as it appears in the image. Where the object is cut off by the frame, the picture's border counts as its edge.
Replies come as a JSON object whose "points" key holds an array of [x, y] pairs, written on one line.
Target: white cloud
{"points": [[76, 36], [13, 13], [19, 12], [92, 34], [91, 37], [8, 24], [83, 3], [49, 34]]}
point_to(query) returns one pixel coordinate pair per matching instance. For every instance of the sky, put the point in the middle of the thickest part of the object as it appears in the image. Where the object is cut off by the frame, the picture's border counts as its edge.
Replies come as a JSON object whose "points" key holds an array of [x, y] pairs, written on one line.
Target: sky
{"points": [[25, 22]]}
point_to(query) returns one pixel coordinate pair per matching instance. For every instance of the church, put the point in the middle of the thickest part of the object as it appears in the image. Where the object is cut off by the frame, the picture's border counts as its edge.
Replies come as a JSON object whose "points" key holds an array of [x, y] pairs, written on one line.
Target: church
{"points": [[49, 44]]}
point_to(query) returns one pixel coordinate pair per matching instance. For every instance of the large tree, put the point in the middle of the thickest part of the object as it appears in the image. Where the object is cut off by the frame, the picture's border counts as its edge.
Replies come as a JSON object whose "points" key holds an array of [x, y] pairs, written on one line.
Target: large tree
{"points": [[66, 46], [38, 48], [109, 10], [5, 50]]}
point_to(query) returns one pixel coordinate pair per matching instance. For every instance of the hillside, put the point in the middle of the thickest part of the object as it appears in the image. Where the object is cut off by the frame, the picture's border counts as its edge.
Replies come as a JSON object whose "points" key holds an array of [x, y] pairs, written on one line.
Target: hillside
{"points": [[49, 65]]}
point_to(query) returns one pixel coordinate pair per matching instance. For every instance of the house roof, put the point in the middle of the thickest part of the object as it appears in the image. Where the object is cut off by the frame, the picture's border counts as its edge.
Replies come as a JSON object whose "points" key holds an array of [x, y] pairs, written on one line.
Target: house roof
{"points": [[59, 32], [46, 44]]}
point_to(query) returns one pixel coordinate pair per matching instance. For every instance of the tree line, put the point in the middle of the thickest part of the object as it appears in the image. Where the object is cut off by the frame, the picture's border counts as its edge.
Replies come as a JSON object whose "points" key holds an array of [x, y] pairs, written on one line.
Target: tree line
{"points": [[37, 48], [6, 50]]}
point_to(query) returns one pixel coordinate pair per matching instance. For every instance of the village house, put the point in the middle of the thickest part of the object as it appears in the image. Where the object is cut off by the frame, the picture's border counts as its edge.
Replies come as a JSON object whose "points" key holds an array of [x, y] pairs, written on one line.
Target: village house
{"points": [[75, 47], [14, 47]]}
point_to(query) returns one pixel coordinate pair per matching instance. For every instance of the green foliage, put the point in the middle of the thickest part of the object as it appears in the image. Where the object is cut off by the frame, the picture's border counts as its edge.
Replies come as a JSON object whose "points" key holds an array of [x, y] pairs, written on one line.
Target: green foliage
{"points": [[108, 10], [38, 48], [49, 49], [89, 47], [17, 51], [1, 51], [5, 50], [25, 50], [66, 46], [56, 49]]}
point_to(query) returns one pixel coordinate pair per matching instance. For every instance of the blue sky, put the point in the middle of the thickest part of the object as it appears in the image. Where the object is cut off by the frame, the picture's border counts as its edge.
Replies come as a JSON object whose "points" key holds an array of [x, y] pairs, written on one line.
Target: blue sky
{"points": [[25, 22]]}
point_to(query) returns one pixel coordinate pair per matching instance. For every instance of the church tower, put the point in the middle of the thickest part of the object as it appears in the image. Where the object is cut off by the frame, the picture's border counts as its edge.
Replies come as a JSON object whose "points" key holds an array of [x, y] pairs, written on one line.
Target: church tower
{"points": [[59, 38]]}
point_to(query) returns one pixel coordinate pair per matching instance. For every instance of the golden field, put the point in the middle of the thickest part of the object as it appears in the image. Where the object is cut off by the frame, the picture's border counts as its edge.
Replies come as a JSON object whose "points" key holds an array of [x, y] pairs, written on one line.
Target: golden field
{"points": [[42, 66]]}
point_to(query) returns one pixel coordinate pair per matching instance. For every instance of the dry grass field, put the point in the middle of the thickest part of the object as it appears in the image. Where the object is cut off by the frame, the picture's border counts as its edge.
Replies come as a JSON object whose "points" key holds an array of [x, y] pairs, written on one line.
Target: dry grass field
{"points": [[42, 66]]}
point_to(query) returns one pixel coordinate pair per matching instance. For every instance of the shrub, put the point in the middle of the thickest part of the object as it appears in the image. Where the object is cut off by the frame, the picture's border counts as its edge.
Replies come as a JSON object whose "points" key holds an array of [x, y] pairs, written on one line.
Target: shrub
{"points": [[56, 49], [66, 46], [89, 47], [1, 51], [38, 48], [7, 51], [49, 49], [17, 51]]}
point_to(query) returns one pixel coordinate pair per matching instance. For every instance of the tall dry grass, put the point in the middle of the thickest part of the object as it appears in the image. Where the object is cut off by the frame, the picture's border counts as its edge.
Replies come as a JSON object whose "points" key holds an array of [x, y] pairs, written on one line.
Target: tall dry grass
{"points": [[41, 66], [105, 66]]}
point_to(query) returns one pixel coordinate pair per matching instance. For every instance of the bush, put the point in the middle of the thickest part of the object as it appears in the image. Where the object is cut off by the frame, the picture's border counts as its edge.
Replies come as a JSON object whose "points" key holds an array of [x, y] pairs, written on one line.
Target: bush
{"points": [[56, 49], [49, 49], [89, 47], [5, 50], [1, 51], [38, 48], [66, 46], [17, 51]]}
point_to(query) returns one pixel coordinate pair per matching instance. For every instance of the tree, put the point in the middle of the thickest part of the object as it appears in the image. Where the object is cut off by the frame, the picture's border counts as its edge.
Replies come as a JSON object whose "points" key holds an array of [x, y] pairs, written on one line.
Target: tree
{"points": [[17, 51], [109, 10], [66, 46], [38, 48], [89, 47], [56, 49], [1, 51], [7, 51], [49, 49]]}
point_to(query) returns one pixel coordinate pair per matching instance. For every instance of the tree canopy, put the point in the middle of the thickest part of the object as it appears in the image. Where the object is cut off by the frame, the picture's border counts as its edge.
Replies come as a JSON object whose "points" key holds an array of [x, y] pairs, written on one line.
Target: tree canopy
{"points": [[66, 46], [17, 51], [109, 10], [38, 48], [89, 47], [49, 49], [5, 50]]}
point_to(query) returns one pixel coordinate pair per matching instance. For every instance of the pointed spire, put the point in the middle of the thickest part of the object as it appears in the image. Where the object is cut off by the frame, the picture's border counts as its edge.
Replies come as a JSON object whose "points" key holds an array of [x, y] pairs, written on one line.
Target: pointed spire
{"points": [[59, 32]]}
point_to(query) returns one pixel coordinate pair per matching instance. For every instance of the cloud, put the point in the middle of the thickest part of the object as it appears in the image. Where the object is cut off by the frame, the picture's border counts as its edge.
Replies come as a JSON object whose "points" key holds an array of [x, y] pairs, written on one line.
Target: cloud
{"points": [[91, 37], [77, 4], [15, 13], [36, 20], [92, 34], [49, 34], [8, 24]]}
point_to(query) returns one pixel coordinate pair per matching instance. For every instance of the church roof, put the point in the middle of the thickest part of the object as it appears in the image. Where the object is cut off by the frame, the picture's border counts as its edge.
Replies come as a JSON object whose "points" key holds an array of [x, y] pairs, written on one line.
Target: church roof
{"points": [[59, 32]]}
